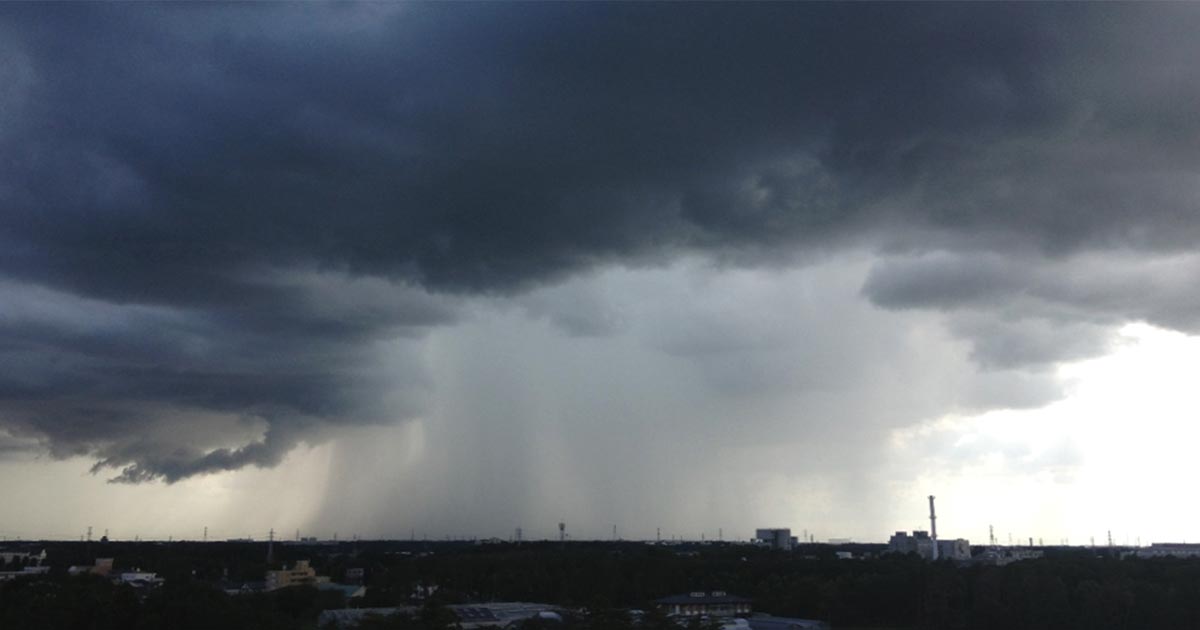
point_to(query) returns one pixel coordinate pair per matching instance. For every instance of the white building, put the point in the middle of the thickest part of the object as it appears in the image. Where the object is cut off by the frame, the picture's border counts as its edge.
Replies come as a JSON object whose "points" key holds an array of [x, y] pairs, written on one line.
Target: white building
{"points": [[139, 578], [24, 557]]}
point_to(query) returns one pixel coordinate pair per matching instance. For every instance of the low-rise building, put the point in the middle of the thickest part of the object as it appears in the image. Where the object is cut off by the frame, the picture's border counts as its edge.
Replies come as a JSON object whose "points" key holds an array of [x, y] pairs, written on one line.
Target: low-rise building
{"points": [[704, 604], [300, 574], [1000, 556], [102, 567], [139, 579], [768, 622], [502, 614], [348, 591], [1169, 550], [468, 616], [347, 618], [5, 576], [25, 558]]}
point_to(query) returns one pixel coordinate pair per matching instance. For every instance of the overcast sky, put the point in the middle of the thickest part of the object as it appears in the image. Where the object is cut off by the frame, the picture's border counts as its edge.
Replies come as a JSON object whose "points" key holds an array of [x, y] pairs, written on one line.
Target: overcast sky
{"points": [[453, 269]]}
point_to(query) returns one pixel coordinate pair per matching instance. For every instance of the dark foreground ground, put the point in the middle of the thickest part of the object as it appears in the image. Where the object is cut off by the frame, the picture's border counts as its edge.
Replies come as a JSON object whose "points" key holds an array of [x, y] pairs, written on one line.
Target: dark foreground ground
{"points": [[1068, 589]]}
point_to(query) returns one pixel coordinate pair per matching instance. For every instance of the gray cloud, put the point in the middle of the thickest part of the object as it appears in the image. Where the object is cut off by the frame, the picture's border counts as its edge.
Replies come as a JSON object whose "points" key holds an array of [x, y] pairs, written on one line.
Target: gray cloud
{"points": [[227, 211], [1036, 311], [654, 424]]}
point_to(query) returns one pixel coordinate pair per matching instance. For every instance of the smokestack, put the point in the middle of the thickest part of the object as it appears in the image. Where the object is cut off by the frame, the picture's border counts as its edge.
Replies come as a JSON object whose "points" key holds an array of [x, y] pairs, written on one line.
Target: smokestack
{"points": [[933, 527]]}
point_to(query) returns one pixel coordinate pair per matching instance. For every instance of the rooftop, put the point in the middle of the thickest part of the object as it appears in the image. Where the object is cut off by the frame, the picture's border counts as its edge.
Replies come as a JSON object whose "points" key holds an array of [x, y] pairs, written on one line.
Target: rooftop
{"points": [[700, 597]]}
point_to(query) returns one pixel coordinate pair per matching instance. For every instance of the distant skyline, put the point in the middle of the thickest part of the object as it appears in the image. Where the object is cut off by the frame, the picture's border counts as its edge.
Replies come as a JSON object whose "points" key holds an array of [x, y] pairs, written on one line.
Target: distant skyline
{"points": [[462, 268]]}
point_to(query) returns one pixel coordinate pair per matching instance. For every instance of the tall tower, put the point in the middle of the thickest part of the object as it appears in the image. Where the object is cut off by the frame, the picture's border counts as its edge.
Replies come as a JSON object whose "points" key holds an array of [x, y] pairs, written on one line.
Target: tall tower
{"points": [[933, 527], [271, 546], [562, 531]]}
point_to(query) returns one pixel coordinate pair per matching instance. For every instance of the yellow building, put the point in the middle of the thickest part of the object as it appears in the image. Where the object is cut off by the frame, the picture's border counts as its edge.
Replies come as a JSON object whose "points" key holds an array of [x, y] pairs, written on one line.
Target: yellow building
{"points": [[299, 575]]}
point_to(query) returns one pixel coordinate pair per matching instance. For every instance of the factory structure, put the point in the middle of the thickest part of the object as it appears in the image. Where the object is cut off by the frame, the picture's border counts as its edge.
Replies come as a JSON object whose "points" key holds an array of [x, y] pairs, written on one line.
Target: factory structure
{"points": [[775, 538], [926, 543], [1169, 550]]}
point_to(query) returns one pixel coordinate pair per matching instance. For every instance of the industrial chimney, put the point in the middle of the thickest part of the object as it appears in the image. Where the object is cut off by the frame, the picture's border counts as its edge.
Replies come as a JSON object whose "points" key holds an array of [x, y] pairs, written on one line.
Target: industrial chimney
{"points": [[933, 527]]}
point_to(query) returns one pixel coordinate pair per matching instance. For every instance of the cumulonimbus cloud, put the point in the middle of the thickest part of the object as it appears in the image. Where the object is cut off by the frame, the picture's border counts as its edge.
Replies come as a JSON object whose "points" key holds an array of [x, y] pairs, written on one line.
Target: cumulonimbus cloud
{"points": [[220, 211]]}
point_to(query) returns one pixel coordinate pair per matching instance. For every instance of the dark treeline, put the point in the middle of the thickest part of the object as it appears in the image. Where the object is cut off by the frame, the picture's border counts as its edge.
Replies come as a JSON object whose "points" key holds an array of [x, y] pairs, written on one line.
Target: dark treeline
{"points": [[94, 603], [1069, 589]]}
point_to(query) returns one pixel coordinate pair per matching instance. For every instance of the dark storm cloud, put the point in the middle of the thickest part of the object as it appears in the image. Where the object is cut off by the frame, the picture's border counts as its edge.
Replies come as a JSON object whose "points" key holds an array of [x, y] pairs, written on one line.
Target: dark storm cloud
{"points": [[167, 168], [160, 391]]}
